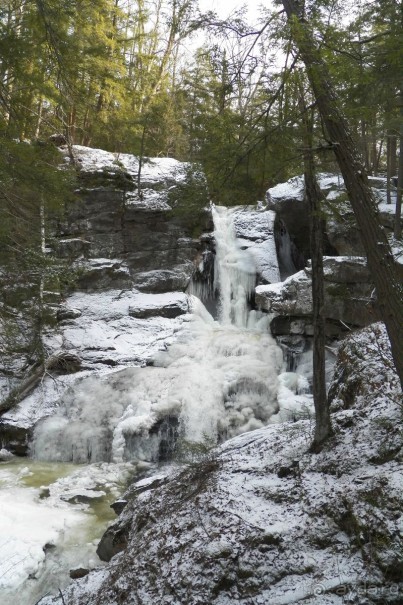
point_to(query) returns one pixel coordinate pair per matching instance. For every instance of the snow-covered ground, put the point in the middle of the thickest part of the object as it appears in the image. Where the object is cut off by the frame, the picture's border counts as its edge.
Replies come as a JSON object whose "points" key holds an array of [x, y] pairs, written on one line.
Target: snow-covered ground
{"points": [[264, 521], [154, 170]]}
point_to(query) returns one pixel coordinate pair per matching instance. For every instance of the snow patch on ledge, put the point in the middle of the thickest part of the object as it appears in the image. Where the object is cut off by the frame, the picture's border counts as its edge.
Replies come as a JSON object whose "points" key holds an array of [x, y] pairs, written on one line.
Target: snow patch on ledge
{"points": [[153, 170]]}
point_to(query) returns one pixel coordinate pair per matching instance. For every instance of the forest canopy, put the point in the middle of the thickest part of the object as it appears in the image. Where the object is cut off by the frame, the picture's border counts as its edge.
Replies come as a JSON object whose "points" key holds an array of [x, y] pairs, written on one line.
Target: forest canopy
{"points": [[159, 78]]}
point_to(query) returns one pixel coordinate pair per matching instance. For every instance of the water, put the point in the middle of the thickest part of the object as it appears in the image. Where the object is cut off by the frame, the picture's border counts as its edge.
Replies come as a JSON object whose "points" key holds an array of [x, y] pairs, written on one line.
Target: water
{"points": [[222, 377], [52, 517]]}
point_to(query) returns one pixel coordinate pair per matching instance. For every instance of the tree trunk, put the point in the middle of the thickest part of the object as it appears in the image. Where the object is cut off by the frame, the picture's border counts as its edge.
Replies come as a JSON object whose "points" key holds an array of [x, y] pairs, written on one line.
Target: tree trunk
{"points": [[393, 154], [388, 168], [399, 192], [314, 198], [380, 259], [322, 414]]}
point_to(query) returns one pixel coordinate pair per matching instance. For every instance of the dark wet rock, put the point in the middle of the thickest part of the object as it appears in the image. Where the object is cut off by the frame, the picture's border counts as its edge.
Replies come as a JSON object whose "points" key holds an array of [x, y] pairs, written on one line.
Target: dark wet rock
{"points": [[78, 572], [15, 438], [118, 506], [112, 542]]}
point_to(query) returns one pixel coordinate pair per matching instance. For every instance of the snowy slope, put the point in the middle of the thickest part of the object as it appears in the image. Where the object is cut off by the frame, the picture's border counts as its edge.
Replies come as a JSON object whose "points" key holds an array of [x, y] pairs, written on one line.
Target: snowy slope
{"points": [[263, 521]]}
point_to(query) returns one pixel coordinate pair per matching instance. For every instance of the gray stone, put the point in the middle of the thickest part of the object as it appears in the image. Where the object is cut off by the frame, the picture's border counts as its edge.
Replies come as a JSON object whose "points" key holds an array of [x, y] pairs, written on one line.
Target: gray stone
{"points": [[169, 310], [73, 247], [348, 270], [64, 313], [164, 280], [118, 506], [348, 299], [102, 274]]}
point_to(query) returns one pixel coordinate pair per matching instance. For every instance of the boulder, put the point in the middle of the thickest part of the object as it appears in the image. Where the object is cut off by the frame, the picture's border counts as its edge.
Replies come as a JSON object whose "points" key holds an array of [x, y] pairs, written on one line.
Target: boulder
{"points": [[164, 280], [78, 572], [64, 313]]}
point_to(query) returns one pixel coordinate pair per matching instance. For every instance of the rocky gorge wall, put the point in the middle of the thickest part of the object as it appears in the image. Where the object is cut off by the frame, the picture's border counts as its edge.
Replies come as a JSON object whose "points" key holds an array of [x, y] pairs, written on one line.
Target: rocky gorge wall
{"points": [[250, 508], [135, 253]]}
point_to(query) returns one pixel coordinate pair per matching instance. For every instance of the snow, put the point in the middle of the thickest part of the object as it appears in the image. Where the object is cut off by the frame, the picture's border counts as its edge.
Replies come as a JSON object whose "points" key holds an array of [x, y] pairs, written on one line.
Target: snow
{"points": [[150, 201], [105, 337], [153, 169], [292, 189], [234, 529]]}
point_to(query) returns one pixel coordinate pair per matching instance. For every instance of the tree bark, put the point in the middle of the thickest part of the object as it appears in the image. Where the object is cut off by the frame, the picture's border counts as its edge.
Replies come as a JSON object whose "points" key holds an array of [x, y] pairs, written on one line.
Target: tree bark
{"points": [[314, 197], [322, 414], [399, 192], [388, 168], [380, 259]]}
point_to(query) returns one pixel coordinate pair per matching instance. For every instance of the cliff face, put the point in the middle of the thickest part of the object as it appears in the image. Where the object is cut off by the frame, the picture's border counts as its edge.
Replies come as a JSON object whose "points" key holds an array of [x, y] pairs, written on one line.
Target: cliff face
{"points": [[134, 252], [149, 234], [136, 244]]}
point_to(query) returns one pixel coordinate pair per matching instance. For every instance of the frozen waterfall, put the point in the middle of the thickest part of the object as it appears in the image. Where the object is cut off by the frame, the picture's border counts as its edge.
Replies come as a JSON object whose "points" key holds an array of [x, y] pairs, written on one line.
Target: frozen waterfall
{"points": [[221, 378]]}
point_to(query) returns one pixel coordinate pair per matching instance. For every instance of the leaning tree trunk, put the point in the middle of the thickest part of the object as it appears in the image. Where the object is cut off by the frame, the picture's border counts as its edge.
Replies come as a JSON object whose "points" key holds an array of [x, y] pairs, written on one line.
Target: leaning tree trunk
{"points": [[380, 259]]}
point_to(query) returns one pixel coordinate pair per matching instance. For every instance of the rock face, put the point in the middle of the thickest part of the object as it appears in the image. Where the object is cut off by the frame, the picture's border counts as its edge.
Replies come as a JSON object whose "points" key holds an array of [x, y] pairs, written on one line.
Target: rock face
{"points": [[262, 520], [122, 237], [255, 229], [348, 299], [342, 234], [134, 253]]}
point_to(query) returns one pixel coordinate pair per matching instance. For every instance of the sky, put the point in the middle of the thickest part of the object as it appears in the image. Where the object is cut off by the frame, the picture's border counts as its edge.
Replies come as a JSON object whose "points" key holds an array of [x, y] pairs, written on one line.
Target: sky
{"points": [[224, 7]]}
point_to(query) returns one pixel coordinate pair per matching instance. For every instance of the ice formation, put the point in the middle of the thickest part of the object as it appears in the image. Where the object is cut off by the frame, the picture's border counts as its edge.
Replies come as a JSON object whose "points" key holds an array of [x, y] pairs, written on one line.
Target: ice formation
{"points": [[220, 379]]}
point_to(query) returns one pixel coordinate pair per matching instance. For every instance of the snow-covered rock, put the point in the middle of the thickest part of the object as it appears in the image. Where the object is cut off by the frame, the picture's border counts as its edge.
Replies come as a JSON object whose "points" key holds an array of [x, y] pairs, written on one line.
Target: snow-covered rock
{"points": [[255, 229], [348, 292], [148, 230], [342, 234], [106, 330], [262, 520], [133, 254]]}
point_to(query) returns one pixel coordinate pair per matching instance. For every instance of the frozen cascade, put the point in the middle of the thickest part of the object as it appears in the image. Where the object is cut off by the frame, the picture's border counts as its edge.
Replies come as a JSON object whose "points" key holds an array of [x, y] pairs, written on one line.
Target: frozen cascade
{"points": [[219, 379], [234, 272]]}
